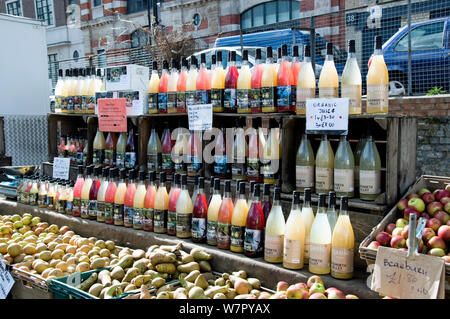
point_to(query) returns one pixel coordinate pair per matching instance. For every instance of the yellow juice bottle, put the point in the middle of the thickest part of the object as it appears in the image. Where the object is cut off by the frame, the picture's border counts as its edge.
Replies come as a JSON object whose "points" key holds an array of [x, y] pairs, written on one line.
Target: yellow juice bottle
{"points": [[218, 85], [172, 88], [184, 209], [377, 82], [269, 84], [275, 229], [294, 236], [153, 89], [119, 198], [329, 80], [213, 214], [351, 81], [238, 221], [138, 202], [101, 195], [306, 82]]}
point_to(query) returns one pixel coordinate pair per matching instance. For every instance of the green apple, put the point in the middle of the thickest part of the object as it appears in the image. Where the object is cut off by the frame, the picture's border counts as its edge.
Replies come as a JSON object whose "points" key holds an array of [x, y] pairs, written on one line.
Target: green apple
{"points": [[417, 203]]}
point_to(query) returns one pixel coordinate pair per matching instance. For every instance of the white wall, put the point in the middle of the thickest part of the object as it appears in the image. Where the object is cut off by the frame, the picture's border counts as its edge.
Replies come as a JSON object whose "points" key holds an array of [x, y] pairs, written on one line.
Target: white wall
{"points": [[24, 86]]}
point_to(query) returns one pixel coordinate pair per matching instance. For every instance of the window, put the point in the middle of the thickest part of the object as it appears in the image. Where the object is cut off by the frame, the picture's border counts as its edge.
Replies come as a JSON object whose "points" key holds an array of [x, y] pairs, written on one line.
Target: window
{"points": [[101, 58], [97, 3], [425, 37], [14, 8], [53, 68], [76, 55], [44, 11], [136, 5], [270, 12], [139, 38], [196, 19]]}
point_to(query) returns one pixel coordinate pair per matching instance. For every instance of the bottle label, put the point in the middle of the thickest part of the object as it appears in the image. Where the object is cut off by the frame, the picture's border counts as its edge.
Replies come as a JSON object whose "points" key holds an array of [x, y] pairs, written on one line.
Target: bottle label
{"points": [[172, 100], [253, 240], [377, 96], [58, 102], [273, 246], [270, 172], [181, 101], [118, 214], [110, 157], [203, 96], [293, 97], [167, 163], [57, 205], [268, 95], [33, 198], [93, 208], [120, 159], [80, 158], [230, 98], [160, 218], [328, 92], [369, 182], [100, 211], [62, 206], [128, 215], [98, 156], [319, 255], [171, 221], [292, 251], [76, 103], [70, 103], [343, 180], [84, 158], [154, 162], [138, 218], [85, 208], [76, 204], [190, 98], [242, 99], [183, 223], [220, 164], [148, 217], [162, 101], [353, 93], [198, 228], [41, 200], [69, 206], [304, 176], [253, 167], [130, 159], [195, 164], [180, 167], [238, 166], [237, 236], [217, 97], [342, 260], [109, 212], [90, 103], [211, 232], [254, 98], [223, 233], [284, 97], [324, 178], [153, 101]]}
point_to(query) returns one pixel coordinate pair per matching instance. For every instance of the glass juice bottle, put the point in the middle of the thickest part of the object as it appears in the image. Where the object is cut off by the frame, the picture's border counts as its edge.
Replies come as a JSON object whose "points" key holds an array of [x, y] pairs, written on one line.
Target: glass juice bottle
{"points": [[224, 218], [344, 169], [296, 66], [230, 92], [162, 91], [166, 151], [268, 84], [119, 198], [308, 219], [342, 244], [110, 195], [93, 193], [253, 158], [304, 165], [51, 193], [294, 236], [191, 82], [244, 85], [200, 214], [254, 228], [194, 155], [378, 82], [42, 194], [128, 210], [73, 74], [60, 198], [196, 189], [181, 87], [218, 85], [69, 198], [161, 206], [130, 151], [331, 211], [274, 232], [85, 191], [121, 150], [153, 90], [76, 211], [266, 203], [172, 88], [213, 213], [255, 91], [101, 195], [272, 156], [138, 202], [34, 191], [174, 194], [221, 165], [240, 153], [351, 81], [329, 80], [179, 151], [285, 81], [238, 221], [184, 209], [320, 241], [324, 166], [357, 156], [211, 188], [110, 149], [154, 155], [369, 171], [62, 103], [149, 202], [203, 84]]}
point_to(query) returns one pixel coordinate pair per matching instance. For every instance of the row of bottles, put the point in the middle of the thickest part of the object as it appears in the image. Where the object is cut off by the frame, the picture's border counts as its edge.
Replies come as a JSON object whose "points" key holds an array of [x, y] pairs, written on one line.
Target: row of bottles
{"points": [[270, 87], [115, 151], [73, 147], [75, 92], [348, 173]]}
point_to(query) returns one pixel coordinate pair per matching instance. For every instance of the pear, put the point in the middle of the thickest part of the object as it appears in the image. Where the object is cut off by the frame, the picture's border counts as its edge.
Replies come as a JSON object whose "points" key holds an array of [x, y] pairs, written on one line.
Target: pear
{"points": [[197, 293], [201, 282]]}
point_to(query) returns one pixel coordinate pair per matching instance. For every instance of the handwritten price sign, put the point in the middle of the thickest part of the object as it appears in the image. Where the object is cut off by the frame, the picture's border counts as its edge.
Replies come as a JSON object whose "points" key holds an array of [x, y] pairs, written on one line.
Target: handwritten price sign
{"points": [[61, 166], [200, 117], [397, 276], [327, 116], [112, 115]]}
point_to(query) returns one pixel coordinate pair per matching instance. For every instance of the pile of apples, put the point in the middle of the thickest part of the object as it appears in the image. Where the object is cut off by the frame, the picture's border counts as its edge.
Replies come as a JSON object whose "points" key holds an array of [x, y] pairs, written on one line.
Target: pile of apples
{"points": [[433, 206], [314, 288]]}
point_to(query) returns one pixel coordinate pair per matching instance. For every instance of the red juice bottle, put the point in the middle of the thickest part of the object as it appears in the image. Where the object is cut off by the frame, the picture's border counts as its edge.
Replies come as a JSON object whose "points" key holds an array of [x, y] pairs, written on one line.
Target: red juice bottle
{"points": [[181, 86], [266, 204], [230, 92], [224, 218], [200, 214], [93, 192], [76, 210], [254, 228], [172, 210], [128, 208], [255, 91], [162, 92], [285, 81], [109, 196], [166, 150], [203, 84]]}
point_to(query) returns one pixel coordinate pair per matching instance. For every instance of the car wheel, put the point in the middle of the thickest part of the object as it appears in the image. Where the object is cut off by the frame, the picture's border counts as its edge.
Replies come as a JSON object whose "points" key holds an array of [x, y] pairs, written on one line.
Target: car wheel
{"points": [[398, 84]]}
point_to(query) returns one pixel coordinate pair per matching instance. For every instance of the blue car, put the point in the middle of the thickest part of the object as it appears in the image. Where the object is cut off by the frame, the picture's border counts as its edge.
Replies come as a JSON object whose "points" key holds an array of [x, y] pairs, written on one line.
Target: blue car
{"points": [[430, 56]]}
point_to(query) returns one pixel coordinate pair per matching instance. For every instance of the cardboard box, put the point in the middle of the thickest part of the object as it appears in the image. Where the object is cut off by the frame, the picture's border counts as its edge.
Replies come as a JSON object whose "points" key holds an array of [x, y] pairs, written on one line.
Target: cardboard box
{"points": [[131, 77], [136, 100]]}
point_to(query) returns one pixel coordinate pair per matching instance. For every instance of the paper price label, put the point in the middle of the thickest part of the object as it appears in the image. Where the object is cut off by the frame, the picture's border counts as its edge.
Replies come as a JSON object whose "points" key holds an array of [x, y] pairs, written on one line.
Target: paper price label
{"points": [[61, 166], [112, 115], [327, 116], [6, 280], [200, 117]]}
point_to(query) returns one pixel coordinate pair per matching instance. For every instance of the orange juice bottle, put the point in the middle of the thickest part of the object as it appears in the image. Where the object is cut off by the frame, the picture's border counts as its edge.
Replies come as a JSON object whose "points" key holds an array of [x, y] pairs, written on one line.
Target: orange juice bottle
{"points": [[181, 87], [285, 80], [269, 84], [162, 91], [224, 218], [172, 88], [191, 82], [138, 202], [203, 85], [128, 208], [153, 89], [255, 91], [244, 84], [119, 198], [377, 82], [218, 85], [149, 202]]}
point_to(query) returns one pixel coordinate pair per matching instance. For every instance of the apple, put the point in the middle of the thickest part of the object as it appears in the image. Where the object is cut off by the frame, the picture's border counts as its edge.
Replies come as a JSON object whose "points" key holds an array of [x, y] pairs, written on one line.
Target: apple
{"points": [[447, 187], [427, 198], [317, 287], [436, 242], [412, 195], [306, 294], [264, 295], [438, 252], [405, 232], [444, 233], [417, 203], [351, 297], [335, 294], [317, 295], [282, 286], [445, 200], [301, 285], [446, 259], [421, 244], [383, 238], [387, 297], [427, 234], [398, 242], [397, 231], [448, 223], [423, 191], [374, 245], [389, 228], [442, 193], [442, 216], [408, 211], [401, 222], [434, 207], [312, 280], [402, 204], [447, 207], [294, 292], [425, 215], [433, 223]]}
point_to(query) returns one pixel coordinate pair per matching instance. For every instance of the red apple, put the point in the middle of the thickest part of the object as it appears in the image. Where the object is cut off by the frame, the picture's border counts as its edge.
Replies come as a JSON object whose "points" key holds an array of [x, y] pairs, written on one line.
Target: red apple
{"points": [[427, 198], [397, 231], [434, 207], [433, 223], [301, 285], [442, 216], [398, 242], [282, 286], [312, 280], [402, 204], [427, 234], [423, 191], [401, 222], [446, 259], [374, 245], [445, 200], [436, 242], [425, 215], [351, 297], [412, 195], [444, 232], [305, 294], [294, 292], [335, 294], [442, 193], [408, 211], [383, 238], [447, 187], [405, 232], [317, 295], [417, 203], [389, 228]]}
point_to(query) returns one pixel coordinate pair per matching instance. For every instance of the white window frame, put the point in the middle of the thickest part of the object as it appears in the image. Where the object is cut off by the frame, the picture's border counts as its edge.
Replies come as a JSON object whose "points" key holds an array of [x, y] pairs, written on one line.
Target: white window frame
{"points": [[97, 11], [10, 1], [100, 5], [53, 13]]}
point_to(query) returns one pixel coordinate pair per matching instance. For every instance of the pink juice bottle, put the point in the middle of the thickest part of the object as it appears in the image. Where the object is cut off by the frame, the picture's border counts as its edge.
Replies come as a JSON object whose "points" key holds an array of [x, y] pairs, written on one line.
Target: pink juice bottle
{"points": [[76, 210]]}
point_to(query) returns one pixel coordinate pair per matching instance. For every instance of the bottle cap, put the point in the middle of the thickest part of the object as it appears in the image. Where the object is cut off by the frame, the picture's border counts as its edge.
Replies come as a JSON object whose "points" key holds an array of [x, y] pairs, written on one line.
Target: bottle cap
{"points": [[122, 173], [201, 182], [131, 174], [176, 179], [344, 203], [72, 184], [213, 59], [184, 179], [75, 72], [174, 63], [258, 54], [196, 179], [378, 43], [322, 199], [245, 55], [165, 65], [307, 51], [162, 177], [217, 184], [227, 186], [151, 176], [203, 58], [269, 52], [266, 189], [80, 169], [99, 73], [184, 62], [307, 195], [211, 182], [329, 48], [256, 190], [141, 175], [113, 173], [155, 66], [93, 70], [60, 73], [284, 50], [332, 199], [233, 56], [88, 71], [68, 73], [296, 197], [89, 169], [276, 193], [252, 186], [241, 187], [351, 46], [219, 56], [279, 53], [295, 50]]}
